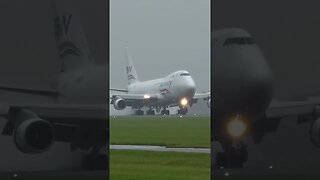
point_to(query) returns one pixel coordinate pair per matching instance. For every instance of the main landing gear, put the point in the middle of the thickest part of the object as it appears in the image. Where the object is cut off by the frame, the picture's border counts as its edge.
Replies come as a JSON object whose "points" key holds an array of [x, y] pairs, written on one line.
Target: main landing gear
{"points": [[95, 160], [165, 111], [94, 142], [150, 111], [139, 112]]}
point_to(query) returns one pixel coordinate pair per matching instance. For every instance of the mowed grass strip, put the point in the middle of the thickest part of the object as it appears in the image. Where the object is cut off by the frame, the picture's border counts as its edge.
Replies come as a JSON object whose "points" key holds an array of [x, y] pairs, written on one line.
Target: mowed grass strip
{"points": [[146, 165], [172, 131]]}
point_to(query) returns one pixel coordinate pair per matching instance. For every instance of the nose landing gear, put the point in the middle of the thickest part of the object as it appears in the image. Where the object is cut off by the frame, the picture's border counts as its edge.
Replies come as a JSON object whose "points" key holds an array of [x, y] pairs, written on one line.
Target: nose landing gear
{"points": [[183, 111], [232, 157]]}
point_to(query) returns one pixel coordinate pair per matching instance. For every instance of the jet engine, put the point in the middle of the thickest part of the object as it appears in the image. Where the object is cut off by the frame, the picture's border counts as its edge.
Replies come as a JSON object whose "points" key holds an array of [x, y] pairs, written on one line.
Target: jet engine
{"points": [[315, 133], [119, 103], [34, 136], [31, 133]]}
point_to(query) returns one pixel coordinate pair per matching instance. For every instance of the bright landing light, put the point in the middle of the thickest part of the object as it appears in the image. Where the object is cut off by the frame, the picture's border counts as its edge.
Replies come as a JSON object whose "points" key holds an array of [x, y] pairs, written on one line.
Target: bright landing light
{"points": [[236, 127], [184, 102], [146, 96]]}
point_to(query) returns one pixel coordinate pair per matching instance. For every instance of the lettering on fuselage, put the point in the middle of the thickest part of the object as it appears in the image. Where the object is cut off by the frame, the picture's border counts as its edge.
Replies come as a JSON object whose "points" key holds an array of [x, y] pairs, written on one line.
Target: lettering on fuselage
{"points": [[129, 69], [66, 47], [62, 25], [131, 77], [168, 83], [164, 91]]}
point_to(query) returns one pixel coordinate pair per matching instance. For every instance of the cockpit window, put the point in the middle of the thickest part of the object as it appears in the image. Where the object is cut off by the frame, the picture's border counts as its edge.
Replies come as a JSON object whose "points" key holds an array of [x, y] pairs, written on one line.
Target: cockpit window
{"points": [[239, 41], [184, 74]]}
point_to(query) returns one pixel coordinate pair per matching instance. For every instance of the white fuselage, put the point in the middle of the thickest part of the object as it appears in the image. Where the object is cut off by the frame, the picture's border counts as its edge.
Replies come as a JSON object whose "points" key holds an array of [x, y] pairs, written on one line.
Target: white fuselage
{"points": [[169, 90]]}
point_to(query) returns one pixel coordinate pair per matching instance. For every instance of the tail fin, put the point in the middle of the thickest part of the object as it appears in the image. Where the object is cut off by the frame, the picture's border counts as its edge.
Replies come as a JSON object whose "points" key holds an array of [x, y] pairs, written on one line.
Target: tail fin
{"points": [[131, 71], [70, 38]]}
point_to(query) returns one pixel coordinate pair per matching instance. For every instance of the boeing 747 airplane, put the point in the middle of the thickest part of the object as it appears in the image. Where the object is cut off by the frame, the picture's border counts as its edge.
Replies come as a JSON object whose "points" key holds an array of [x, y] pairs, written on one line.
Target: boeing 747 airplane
{"points": [[78, 112], [244, 108], [175, 89]]}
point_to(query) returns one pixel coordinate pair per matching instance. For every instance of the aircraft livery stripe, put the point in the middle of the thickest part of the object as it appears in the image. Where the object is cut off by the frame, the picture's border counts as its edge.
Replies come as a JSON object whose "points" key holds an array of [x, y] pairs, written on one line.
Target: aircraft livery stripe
{"points": [[131, 77], [67, 47], [69, 51]]}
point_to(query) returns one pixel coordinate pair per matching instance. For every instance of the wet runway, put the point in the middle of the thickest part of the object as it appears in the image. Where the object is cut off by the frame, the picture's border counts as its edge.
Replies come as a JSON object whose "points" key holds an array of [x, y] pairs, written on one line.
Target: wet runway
{"points": [[159, 148]]}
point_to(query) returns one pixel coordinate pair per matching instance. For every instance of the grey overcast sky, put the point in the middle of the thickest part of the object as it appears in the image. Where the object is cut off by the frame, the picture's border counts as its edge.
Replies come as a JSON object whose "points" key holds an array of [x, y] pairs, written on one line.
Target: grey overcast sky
{"points": [[162, 36]]}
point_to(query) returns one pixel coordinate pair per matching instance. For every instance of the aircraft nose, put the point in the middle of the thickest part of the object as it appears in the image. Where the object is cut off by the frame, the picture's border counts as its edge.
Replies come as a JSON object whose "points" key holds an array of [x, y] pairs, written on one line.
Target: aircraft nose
{"points": [[242, 83], [191, 88]]}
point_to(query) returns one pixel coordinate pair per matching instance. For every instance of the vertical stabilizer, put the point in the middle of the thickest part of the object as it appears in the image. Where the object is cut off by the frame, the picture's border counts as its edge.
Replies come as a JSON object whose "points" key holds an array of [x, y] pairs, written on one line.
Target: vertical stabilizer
{"points": [[131, 71], [70, 38]]}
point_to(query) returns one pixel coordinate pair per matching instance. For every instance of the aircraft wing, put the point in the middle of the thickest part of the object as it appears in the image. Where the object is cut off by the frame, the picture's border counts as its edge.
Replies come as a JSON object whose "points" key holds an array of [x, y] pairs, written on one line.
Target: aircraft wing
{"points": [[304, 111], [136, 96], [32, 91], [291, 108], [133, 99], [119, 90], [72, 123], [59, 111], [205, 95]]}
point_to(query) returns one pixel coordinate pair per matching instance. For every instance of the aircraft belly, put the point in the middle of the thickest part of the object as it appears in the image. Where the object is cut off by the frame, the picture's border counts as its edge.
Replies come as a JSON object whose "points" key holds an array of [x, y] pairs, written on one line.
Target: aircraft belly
{"points": [[167, 99]]}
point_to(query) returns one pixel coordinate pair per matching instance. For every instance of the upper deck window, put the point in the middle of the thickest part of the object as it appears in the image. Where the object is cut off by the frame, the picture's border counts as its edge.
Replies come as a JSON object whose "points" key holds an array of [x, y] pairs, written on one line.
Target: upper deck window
{"points": [[184, 74], [239, 41]]}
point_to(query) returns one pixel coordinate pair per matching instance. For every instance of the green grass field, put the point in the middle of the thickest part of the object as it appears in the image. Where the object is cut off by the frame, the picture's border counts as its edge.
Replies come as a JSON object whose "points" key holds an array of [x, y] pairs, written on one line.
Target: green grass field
{"points": [[145, 165], [170, 131]]}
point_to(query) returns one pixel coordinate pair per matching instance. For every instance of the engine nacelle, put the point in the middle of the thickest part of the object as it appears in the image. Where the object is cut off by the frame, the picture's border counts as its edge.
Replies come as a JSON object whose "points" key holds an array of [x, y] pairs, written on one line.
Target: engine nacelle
{"points": [[34, 135], [119, 103], [31, 133], [315, 133]]}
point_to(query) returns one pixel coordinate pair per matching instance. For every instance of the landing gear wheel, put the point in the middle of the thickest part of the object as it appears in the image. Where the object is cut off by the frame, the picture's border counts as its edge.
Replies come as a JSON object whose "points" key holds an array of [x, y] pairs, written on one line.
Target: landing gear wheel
{"points": [[165, 112], [232, 157], [139, 112], [151, 112], [183, 111], [95, 160]]}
